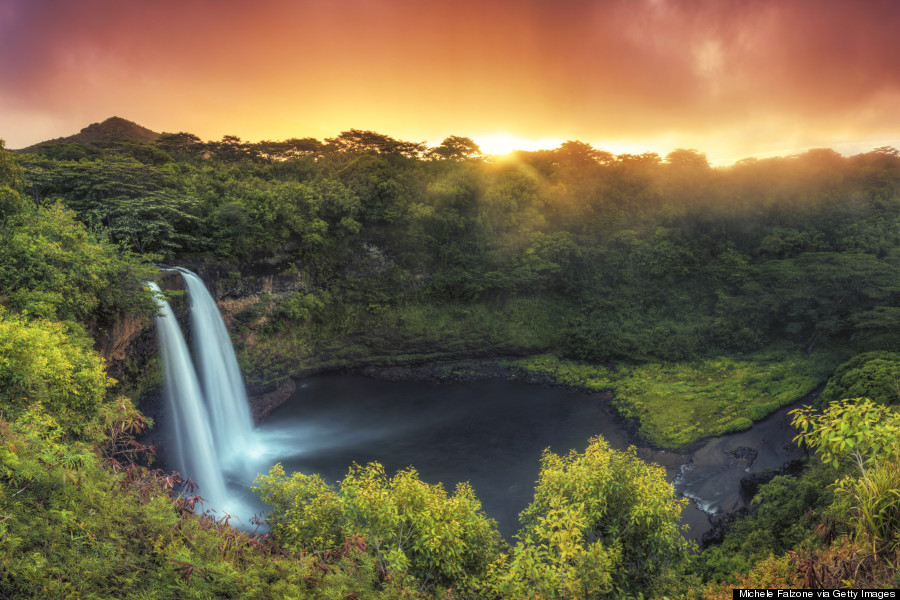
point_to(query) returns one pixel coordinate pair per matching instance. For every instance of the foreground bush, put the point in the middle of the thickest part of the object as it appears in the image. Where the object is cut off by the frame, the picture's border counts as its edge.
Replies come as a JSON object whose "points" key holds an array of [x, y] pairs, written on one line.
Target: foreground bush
{"points": [[416, 533], [602, 523]]}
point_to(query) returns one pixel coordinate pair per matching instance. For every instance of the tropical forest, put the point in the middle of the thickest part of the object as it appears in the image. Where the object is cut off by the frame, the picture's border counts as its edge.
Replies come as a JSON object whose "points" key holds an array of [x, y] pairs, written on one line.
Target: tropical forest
{"points": [[692, 303]]}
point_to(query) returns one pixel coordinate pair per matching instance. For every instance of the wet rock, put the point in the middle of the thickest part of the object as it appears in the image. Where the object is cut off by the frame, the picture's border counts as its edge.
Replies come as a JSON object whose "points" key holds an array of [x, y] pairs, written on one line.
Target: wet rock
{"points": [[744, 455], [127, 339], [262, 404]]}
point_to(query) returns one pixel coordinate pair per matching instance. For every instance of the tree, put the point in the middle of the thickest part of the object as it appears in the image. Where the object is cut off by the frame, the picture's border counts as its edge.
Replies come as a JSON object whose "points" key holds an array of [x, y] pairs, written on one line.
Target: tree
{"points": [[456, 148], [874, 375], [814, 295], [52, 267], [11, 201], [289, 149], [858, 430], [180, 144], [40, 362], [156, 222], [576, 154], [643, 160], [877, 329], [232, 149], [140, 205], [416, 532], [10, 171], [358, 141], [602, 523], [683, 158]]}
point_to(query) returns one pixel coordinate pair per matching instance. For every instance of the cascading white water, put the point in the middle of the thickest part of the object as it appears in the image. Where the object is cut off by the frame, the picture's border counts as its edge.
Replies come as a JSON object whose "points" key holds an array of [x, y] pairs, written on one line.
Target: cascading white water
{"points": [[220, 377], [195, 453]]}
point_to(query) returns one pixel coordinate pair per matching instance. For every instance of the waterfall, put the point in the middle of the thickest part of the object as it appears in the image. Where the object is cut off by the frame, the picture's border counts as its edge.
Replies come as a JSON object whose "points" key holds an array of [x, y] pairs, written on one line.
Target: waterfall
{"points": [[193, 438], [220, 376]]}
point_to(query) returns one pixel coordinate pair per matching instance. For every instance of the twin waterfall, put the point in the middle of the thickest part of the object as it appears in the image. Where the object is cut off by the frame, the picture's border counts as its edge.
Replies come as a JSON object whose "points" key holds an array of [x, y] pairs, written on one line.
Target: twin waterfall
{"points": [[212, 429]]}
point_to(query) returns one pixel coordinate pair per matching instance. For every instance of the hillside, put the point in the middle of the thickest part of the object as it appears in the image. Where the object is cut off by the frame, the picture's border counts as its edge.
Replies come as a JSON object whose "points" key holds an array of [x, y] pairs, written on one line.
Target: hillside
{"points": [[112, 130]]}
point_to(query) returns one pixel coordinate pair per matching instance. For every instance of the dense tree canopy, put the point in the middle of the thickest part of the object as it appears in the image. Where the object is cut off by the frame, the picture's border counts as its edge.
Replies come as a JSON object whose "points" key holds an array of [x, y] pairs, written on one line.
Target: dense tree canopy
{"points": [[394, 247]]}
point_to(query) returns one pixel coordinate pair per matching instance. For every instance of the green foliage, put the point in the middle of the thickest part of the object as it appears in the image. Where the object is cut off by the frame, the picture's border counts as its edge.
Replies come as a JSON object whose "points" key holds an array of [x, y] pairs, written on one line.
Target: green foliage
{"points": [[867, 435], [52, 267], [140, 206], [785, 514], [875, 509], [704, 285], [735, 425], [858, 430], [557, 561], [10, 170], [566, 372], [456, 148], [415, 532], [874, 375], [878, 328], [602, 522], [307, 514], [41, 362], [679, 403], [70, 528], [300, 307], [654, 261]]}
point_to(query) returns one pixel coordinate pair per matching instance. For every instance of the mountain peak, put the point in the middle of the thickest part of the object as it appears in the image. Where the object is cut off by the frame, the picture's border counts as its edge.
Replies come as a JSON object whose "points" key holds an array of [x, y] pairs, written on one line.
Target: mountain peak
{"points": [[116, 129], [113, 129]]}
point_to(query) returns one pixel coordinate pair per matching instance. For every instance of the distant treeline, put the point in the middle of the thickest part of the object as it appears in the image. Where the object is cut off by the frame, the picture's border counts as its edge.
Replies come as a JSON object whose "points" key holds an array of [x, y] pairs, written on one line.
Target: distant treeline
{"points": [[656, 257]]}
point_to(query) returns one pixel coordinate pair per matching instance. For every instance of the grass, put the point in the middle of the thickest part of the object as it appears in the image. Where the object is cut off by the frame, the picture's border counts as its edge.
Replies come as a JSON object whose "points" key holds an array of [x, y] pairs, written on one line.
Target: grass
{"points": [[677, 404]]}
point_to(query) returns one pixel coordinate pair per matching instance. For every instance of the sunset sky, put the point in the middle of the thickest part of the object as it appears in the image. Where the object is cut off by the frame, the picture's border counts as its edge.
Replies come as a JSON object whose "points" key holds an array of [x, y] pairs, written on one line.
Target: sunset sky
{"points": [[731, 78]]}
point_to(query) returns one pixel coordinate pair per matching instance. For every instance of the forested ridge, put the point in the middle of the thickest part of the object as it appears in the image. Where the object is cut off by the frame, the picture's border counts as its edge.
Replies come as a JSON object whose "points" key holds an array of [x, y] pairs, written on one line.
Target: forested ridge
{"points": [[704, 297]]}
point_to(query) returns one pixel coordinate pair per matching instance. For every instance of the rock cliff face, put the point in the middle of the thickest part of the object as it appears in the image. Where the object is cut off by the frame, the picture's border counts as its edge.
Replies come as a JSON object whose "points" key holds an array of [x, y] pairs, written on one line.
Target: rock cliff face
{"points": [[236, 287], [119, 345], [130, 347]]}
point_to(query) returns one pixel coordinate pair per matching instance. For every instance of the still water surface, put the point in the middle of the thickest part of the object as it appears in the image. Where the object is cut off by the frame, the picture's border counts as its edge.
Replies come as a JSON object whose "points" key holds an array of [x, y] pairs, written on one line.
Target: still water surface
{"points": [[490, 433]]}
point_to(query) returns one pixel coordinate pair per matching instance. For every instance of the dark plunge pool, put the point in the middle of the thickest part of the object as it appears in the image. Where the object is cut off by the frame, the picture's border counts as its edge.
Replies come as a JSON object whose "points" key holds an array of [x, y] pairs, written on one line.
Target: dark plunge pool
{"points": [[490, 433]]}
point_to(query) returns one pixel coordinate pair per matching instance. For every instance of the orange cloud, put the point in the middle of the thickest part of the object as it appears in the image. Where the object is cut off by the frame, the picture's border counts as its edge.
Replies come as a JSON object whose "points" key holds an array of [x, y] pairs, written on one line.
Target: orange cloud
{"points": [[709, 73]]}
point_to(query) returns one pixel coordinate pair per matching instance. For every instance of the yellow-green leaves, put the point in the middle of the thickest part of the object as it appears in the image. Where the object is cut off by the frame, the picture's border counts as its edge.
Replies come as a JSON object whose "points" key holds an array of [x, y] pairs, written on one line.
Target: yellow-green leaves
{"points": [[40, 362], [601, 522], [307, 514], [417, 534], [868, 434], [858, 429]]}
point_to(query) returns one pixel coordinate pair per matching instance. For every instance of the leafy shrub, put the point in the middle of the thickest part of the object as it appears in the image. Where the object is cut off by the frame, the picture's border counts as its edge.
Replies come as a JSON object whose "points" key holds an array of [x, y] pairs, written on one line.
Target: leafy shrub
{"points": [[867, 436], [300, 308], [40, 361], [785, 514], [874, 375], [600, 521], [307, 513], [416, 532]]}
